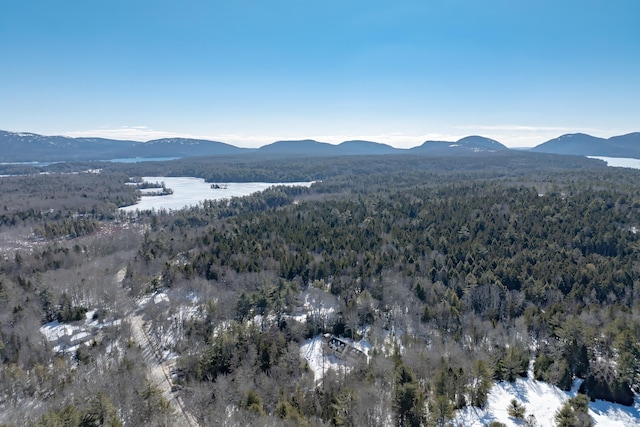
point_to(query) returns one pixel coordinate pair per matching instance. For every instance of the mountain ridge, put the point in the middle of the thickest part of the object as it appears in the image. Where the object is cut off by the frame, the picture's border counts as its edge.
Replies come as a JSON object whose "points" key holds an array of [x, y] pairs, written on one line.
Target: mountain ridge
{"points": [[582, 144], [28, 147]]}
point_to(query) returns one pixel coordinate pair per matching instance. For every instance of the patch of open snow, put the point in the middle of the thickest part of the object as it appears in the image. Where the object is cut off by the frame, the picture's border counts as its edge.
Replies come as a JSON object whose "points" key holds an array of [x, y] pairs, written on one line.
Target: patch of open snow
{"points": [[222, 327], [143, 301], [188, 312], [92, 323], [66, 338], [115, 322], [300, 317], [313, 352], [611, 414], [393, 339], [160, 298], [317, 303], [120, 275], [364, 346], [80, 337], [62, 348], [54, 331], [169, 355], [192, 297], [259, 319], [542, 400]]}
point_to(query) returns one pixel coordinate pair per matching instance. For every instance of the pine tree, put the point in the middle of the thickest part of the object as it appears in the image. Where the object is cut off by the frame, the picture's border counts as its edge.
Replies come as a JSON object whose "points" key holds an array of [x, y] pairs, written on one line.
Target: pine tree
{"points": [[516, 409], [574, 413]]}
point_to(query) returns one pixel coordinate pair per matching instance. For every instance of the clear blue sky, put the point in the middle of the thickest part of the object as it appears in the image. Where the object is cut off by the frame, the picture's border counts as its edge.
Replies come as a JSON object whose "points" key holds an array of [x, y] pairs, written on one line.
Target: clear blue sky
{"points": [[252, 72]]}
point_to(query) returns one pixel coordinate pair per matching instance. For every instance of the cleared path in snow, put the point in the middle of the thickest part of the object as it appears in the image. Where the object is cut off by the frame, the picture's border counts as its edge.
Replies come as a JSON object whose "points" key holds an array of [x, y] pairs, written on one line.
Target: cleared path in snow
{"points": [[157, 368], [158, 371]]}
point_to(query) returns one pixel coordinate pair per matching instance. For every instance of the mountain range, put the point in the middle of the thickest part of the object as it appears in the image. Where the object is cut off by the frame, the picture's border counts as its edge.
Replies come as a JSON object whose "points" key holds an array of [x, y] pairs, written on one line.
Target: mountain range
{"points": [[586, 145], [29, 147]]}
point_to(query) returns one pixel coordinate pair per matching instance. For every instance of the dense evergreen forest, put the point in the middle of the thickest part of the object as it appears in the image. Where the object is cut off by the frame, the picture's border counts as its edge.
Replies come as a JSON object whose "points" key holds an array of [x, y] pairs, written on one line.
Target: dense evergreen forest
{"points": [[457, 272]]}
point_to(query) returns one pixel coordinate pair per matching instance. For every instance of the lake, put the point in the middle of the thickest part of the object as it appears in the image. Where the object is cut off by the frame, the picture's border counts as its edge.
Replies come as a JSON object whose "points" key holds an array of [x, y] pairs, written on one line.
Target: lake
{"points": [[188, 191], [619, 162], [142, 159]]}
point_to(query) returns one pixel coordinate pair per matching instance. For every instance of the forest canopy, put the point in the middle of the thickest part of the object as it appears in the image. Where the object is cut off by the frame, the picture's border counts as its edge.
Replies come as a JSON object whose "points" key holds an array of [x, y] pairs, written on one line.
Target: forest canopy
{"points": [[457, 272]]}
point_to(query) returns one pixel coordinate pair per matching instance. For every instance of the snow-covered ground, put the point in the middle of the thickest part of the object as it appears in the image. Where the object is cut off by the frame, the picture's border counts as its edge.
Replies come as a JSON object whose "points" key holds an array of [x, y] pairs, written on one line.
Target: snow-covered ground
{"points": [[542, 401], [188, 191], [313, 352], [320, 359], [67, 337], [317, 303]]}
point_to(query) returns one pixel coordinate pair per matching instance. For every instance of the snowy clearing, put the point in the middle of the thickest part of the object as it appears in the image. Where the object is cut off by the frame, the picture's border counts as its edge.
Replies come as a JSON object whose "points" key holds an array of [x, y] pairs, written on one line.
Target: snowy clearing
{"points": [[67, 337], [542, 400], [314, 352]]}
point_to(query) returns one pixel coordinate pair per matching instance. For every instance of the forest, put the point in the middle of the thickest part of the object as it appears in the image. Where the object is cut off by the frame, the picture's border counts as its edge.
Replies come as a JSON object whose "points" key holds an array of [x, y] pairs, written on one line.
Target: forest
{"points": [[455, 272]]}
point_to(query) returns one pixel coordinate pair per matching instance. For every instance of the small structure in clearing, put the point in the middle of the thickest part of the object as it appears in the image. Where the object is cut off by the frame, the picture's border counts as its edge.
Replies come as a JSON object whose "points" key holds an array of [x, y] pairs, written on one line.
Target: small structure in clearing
{"points": [[343, 350]]}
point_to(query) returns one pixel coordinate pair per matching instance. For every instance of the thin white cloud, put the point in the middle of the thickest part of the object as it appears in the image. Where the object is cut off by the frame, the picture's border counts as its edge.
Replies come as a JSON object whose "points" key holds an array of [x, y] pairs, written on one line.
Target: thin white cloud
{"points": [[521, 128], [135, 133], [519, 136]]}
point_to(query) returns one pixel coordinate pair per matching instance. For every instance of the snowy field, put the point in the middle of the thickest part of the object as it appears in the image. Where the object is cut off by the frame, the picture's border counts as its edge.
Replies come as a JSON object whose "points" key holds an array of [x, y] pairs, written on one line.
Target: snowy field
{"points": [[542, 401], [188, 192]]}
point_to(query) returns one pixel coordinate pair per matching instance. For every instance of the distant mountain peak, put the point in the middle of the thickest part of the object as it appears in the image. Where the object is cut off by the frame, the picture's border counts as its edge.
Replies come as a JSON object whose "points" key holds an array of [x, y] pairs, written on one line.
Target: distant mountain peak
{"points": [[474, 138], [582, 144], [464, 146], [183, 141], [295, 143], [477, 141], [577, 135], [24, 134], [297, 147], [366, 147]]}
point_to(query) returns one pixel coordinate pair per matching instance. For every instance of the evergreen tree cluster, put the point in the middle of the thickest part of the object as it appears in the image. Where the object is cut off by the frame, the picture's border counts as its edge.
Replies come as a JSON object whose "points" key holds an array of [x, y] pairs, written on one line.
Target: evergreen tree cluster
{"points": [[474, 264], [457, 272]]}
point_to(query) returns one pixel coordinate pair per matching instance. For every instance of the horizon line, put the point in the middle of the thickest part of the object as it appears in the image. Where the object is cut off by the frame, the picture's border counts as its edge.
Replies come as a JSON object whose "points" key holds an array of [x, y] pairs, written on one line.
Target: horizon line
{"points": [[397, 141]]}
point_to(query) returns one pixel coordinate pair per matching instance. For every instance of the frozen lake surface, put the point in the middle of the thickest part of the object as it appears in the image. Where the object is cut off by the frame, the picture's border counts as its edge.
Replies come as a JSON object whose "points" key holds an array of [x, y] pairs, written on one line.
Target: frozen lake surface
{"points": [[142, 159], [188, 191], [619, 162]]}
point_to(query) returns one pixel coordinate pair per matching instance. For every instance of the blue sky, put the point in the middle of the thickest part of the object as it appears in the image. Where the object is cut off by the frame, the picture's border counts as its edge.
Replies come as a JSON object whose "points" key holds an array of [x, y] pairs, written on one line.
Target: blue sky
{"points": [[252, 72]]}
